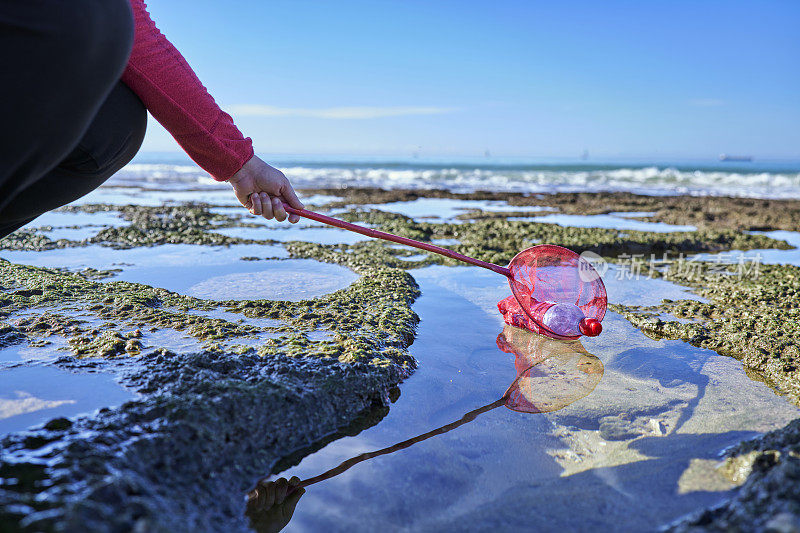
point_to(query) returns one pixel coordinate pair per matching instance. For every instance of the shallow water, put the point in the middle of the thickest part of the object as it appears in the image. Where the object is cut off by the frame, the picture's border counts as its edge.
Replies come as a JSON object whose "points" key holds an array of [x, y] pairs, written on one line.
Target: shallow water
{"points": [[290, 280], [446, 209], [770, 256], [211, 272], [164, 255], [619, 221], [117, 195], [628, 288], [32, 395], [54, 346], [320, 235], [238, 318], [773, 256], [74, 226], [617, 459], [632, 214]]}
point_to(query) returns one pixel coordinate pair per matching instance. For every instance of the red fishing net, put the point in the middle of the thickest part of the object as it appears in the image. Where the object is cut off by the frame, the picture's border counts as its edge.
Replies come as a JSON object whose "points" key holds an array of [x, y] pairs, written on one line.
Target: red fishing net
{"points": [[546, 276]]}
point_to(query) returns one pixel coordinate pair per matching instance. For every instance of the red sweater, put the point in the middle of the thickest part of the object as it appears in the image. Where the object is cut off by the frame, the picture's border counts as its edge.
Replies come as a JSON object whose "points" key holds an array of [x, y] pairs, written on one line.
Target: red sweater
{"points": [[170, 90]]}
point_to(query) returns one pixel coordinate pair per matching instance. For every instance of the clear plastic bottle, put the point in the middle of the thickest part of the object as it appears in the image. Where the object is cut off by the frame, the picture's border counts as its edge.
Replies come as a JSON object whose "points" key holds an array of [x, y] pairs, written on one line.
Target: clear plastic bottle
{"points": [[564, 319]]}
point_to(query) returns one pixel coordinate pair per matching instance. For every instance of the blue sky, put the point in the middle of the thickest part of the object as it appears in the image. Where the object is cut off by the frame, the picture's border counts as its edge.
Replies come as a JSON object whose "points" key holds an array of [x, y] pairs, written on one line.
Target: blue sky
{"points": [[535, 79]]}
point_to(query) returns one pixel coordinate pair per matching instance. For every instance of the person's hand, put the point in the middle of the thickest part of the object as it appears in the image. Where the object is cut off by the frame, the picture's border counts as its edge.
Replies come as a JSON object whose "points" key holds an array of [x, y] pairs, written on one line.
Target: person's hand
{"points": [[263, 189], [271, 504]]}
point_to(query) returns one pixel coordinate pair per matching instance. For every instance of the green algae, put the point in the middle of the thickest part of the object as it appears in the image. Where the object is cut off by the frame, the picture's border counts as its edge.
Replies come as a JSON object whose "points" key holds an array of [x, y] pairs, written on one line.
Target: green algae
{"points": [[9, 335], [372, 319], [105, 344], [490, 237], [183, 224], [27, 240], [147, 226], [49, 323]]}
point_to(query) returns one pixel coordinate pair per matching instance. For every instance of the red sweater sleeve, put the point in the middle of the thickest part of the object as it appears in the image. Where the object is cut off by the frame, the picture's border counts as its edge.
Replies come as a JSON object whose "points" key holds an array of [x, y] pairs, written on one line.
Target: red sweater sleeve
{"points": [[173, 94]]}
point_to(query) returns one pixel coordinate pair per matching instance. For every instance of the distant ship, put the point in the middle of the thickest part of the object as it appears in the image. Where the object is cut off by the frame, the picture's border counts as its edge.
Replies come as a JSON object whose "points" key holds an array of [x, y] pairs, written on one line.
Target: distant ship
{"points": [[726, 157]]}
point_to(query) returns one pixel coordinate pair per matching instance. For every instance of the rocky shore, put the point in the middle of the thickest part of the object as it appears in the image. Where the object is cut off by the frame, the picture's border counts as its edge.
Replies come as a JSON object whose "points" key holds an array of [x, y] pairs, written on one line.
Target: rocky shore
{"points": [[205, 424]]}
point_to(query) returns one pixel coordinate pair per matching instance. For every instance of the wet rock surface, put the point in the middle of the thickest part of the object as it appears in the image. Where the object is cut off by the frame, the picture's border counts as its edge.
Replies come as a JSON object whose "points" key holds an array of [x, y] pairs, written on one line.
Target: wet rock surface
{"points": [[207, 422], [180, 458], [146, 226]]}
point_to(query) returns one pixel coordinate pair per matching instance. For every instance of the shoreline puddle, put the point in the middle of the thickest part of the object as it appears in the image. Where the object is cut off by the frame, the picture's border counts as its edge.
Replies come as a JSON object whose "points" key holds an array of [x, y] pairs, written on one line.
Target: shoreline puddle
{"points": [[315, 234], [659, 405], [447, 209], [291, 280], [33, 395], [621, 221], [767, 256]]}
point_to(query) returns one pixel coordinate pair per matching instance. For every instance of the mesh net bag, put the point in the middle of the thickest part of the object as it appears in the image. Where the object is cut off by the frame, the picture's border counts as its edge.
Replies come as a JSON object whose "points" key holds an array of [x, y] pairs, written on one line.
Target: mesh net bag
{"points": [[545, 276]]}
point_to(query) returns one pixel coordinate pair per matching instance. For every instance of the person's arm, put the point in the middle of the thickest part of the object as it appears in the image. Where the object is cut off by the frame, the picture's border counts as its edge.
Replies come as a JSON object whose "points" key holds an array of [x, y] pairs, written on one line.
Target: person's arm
{"points": [[173, 94]]}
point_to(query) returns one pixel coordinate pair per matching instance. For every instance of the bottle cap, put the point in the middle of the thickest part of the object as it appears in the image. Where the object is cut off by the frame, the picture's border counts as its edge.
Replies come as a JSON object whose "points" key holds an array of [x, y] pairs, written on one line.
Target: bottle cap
{"points": [[591, 327]]}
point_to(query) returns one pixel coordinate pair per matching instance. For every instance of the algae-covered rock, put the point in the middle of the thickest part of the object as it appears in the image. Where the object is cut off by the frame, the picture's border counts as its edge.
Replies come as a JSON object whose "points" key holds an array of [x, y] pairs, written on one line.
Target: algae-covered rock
{"points": [[208, 423], [371, 315], [182, 457], [28, 240], [769, 499], [499, 240], [9, 335]]}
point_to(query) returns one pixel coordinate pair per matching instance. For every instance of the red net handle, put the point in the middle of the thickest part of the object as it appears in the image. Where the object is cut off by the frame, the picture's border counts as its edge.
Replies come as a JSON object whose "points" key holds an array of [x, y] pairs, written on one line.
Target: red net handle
{"points": [[394, 238]]}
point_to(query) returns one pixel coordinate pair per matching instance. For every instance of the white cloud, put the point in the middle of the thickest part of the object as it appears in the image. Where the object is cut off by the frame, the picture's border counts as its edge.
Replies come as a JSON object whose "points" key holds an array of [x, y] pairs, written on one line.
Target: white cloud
{"points": [[347, 113], [706, 102]]}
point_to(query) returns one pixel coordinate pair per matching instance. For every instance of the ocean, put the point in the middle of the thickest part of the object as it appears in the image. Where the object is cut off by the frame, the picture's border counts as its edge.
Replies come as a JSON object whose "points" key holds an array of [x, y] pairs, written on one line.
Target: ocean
{"points": [[767, 179]]}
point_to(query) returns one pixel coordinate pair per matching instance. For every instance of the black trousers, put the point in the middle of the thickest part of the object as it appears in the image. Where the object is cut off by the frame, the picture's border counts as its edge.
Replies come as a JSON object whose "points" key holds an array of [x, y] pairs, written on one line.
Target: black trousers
{"points": [[67, 123]]}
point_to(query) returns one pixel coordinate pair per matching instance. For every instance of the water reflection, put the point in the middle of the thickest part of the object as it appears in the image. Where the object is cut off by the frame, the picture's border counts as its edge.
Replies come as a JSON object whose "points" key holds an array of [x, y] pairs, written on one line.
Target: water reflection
{"points": [[550, 375], [271, 504]]}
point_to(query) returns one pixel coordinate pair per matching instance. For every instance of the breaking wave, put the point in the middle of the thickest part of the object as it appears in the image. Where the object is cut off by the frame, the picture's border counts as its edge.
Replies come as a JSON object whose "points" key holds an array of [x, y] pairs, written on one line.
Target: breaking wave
{"points": [[654, 180]]}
